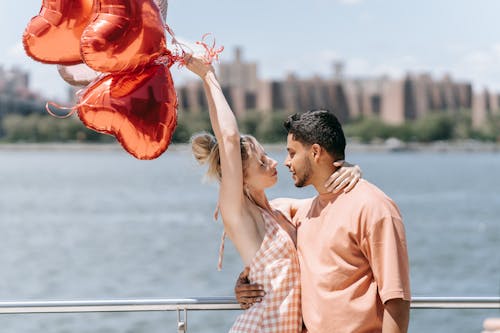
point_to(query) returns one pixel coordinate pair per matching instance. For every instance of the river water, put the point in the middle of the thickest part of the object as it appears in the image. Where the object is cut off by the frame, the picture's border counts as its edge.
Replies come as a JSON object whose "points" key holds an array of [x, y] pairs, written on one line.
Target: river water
{"points": [[94, 223]]}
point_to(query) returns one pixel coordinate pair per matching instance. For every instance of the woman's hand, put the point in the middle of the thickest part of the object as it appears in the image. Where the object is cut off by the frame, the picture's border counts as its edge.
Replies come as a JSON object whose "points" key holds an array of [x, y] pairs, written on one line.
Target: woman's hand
{"points": [[198, 65], [344, 178]]}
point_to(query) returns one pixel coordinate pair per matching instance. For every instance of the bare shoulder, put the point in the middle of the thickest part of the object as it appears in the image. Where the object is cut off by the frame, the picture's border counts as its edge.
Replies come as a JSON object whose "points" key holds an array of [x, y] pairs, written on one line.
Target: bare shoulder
{"points": [[284, 205], [288, 206]]}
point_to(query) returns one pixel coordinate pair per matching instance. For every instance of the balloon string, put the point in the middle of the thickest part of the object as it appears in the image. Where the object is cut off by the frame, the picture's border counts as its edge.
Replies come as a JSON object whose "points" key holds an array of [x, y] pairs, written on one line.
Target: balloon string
{"points": [[178, 55], [58, 106], [211, 53], [85, 101], [74, 108]]}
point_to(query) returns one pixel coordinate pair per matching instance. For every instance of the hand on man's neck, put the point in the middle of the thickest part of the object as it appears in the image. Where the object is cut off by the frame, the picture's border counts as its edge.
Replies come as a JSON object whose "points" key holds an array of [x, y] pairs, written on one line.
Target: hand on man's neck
{"points": [[323, 169]]}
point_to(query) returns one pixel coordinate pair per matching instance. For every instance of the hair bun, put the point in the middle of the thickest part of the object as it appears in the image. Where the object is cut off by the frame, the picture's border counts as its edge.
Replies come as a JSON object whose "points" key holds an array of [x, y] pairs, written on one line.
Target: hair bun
{"points": [[205, 149]]}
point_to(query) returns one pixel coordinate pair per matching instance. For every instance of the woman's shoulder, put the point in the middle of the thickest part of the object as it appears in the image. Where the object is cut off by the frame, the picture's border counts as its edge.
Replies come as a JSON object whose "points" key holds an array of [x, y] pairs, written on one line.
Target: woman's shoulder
{"points": [[289, 206]]}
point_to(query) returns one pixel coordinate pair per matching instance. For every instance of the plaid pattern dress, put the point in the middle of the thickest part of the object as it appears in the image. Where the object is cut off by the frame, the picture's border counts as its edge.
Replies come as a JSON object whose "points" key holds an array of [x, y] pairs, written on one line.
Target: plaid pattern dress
{"points": [[276, 267]]}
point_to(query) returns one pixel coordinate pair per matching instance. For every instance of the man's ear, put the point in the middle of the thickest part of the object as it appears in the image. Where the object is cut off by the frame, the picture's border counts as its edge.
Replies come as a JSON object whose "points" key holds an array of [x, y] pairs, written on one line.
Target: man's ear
{"points": [[316, 151]]}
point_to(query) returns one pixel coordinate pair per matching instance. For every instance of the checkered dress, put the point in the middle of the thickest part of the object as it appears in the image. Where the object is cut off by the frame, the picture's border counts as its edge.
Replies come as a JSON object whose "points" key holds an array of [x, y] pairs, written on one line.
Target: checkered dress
{"points": [[276, 267]]}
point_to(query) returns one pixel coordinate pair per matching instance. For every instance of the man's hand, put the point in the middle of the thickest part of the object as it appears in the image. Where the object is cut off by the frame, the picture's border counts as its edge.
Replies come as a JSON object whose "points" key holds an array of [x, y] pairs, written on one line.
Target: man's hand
{"points": [[247, 294]]}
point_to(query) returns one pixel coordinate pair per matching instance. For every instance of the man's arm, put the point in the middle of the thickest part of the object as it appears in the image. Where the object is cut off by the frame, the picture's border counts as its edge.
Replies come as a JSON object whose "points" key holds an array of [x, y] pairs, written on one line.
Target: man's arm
{"points": [[396, 316], [247, 294]]}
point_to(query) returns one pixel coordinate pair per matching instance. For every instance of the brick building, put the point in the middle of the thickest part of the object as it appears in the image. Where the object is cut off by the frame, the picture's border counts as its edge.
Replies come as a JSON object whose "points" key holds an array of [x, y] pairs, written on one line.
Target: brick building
{"points": [[15, 95], [392, 100]]}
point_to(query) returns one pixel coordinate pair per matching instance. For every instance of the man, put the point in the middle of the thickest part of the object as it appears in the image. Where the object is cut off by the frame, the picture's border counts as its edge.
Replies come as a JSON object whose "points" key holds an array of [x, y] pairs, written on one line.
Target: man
{"points": [[351, 246]]}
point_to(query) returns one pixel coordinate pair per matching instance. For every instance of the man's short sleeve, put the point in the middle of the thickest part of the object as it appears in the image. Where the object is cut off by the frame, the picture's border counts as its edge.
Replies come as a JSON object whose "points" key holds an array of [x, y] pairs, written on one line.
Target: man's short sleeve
{"points": [[386, 250]]}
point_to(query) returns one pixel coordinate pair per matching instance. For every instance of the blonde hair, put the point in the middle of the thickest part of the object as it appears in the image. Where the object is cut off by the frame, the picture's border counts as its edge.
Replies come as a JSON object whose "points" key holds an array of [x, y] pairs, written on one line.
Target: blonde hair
{"points": [[206, 151]]}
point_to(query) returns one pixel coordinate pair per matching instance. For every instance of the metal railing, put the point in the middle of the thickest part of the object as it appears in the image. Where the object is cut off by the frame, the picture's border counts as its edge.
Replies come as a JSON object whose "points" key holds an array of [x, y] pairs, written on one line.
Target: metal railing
{"points": [[183, 305]]}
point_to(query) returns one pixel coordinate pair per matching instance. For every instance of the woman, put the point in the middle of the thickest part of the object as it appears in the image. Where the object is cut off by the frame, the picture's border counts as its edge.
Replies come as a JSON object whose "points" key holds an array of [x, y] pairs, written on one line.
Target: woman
{"points": [[263, 235]]}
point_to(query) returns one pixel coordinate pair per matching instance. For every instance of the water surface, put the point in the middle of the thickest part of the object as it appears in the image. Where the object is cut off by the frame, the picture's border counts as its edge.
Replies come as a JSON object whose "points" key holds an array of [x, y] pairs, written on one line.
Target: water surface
{"points": [[98, 224]]}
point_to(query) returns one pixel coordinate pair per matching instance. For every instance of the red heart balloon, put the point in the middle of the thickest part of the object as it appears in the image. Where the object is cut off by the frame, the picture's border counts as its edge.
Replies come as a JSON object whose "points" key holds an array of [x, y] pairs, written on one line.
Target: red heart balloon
{"points": [[53, 36], [139, 109], [123, 36]]}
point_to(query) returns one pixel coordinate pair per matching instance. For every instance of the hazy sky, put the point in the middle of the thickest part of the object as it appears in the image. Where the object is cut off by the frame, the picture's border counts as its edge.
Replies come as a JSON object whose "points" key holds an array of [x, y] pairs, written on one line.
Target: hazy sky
{"points": [[372, 37]]}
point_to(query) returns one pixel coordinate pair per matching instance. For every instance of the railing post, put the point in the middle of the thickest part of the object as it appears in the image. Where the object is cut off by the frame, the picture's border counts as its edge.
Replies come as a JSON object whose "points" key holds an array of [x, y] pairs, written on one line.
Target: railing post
{"points": [[181, 324]]}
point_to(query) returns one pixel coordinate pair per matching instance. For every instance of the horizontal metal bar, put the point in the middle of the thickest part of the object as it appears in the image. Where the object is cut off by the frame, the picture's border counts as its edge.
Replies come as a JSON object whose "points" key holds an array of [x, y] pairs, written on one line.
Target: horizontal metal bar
{"points": [[455, 303], [200, 303], [210, 303]]}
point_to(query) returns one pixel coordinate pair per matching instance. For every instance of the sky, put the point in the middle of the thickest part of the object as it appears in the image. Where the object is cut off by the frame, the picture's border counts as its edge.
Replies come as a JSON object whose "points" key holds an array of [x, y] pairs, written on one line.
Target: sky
{"points": [[371, 37]]}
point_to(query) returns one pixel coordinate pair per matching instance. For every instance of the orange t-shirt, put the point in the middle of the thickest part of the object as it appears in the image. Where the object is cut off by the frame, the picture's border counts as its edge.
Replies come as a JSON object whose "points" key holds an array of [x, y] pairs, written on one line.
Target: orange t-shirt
{"points": [[353, 257]]}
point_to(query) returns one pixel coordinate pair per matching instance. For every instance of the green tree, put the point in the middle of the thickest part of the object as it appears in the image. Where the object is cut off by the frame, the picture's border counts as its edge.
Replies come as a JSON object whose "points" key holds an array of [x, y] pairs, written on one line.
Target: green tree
{"points": [[367, 129], [433, 127], [249, 123], [270, 129]]}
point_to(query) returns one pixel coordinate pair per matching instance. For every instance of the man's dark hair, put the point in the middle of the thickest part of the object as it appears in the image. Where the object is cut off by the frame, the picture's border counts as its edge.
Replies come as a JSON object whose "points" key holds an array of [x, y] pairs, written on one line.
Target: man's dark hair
{"points": [[318, 126]]}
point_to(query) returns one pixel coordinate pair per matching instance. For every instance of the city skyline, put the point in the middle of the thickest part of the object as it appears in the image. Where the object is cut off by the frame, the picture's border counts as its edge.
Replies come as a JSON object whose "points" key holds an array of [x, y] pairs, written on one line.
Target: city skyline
{"points": [[371, 37], [393, 101]]}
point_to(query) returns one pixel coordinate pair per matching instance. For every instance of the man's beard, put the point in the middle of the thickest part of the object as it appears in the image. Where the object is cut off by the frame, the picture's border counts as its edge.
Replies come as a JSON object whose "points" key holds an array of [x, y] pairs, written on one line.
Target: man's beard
{"points": [[306, 175]]}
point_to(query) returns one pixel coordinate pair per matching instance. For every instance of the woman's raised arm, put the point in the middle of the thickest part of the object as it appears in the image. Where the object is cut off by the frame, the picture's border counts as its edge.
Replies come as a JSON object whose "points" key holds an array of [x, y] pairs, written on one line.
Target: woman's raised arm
{"points": [[228, 137]]}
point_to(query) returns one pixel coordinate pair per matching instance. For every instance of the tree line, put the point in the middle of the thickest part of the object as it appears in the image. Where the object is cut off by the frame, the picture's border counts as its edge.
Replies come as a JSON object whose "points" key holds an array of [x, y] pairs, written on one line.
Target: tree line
{"points": [[266, 127]]}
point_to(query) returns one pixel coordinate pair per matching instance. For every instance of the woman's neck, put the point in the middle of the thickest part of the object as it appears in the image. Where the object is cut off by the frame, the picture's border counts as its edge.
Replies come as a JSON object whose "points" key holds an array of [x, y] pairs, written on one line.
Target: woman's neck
{"points": [[259, 198]]}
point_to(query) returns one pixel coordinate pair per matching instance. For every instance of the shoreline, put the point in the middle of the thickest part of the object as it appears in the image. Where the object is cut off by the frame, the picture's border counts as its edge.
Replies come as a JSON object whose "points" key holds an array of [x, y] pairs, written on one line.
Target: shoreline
{"points": [[387, 146]]}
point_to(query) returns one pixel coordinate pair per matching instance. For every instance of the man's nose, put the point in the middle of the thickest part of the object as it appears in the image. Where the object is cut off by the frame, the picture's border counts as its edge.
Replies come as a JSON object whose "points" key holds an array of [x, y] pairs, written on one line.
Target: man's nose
{"points": [[287, 162]]}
